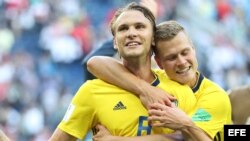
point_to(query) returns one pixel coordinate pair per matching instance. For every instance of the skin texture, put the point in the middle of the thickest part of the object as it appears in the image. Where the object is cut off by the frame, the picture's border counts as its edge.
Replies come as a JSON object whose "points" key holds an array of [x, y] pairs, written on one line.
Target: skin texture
{"points": [[133, 35], [177, 57]]}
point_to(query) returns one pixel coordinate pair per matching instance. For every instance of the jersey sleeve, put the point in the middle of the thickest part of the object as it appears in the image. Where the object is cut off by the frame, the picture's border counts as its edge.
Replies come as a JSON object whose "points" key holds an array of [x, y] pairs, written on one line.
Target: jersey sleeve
{"points": [[79, 116], [212, 112]]}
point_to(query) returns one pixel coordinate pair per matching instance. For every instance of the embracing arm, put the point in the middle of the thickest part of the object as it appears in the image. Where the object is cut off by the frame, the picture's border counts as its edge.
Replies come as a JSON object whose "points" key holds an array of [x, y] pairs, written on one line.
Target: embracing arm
{"points": [[174, 118], [112, 71], [194, 133], [60, 135]]}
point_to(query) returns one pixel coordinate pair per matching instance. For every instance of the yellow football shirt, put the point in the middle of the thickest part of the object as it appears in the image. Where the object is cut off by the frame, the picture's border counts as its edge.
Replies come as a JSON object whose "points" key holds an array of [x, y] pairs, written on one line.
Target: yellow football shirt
{"points": [[120, 111], [213, 108], [186, 99]]}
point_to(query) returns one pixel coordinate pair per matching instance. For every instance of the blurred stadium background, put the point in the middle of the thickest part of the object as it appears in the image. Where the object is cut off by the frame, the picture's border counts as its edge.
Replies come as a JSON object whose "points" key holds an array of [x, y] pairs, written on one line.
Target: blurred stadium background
{"points": [[42, 44]]}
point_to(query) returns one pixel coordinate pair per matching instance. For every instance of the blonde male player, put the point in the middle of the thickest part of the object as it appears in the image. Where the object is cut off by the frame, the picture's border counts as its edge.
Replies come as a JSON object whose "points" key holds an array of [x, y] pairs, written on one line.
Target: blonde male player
{"points": [[121, 111]]}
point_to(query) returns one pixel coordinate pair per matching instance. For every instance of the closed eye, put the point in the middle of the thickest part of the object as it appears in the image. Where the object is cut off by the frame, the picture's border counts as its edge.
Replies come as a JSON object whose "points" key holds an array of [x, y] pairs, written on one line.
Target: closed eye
{"points": [[171, 57], [185, 52]]}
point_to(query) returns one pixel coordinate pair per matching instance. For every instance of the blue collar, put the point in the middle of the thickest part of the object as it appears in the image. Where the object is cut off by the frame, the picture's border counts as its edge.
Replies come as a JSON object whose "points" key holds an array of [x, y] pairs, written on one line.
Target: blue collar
{"points": [[198, 83]]}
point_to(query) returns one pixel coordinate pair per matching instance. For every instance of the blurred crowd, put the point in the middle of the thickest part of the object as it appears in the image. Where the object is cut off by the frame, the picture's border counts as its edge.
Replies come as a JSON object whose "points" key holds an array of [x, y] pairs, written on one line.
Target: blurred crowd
{"points": [[42, 44]]}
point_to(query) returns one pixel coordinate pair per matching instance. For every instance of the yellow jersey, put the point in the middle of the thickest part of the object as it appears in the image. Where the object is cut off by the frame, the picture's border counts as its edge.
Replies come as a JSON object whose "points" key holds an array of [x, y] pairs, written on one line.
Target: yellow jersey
{"points": [[213, 108], [120, 111]]}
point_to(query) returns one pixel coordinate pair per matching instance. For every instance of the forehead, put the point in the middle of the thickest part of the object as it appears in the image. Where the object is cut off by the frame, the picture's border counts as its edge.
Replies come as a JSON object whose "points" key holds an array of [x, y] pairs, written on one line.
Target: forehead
{"points": [[131, 17], [178, 43]]}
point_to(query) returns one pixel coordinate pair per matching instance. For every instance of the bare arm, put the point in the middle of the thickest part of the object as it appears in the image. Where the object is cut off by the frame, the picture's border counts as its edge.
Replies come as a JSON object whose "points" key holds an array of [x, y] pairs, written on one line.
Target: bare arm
{"points": [[194, 133], [176, 119], [112, 71], [59, 135]]}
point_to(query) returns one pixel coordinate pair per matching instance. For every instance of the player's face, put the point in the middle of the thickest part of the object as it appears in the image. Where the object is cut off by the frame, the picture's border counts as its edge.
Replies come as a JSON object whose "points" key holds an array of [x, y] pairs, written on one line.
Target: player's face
{"points": [[133, 34], [177, 58]]}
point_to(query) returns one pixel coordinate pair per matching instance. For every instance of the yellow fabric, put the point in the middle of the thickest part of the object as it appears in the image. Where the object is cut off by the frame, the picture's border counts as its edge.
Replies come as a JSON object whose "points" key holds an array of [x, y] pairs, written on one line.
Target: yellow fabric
{"points": [[183, 93], [213, 109], [120, 111]]}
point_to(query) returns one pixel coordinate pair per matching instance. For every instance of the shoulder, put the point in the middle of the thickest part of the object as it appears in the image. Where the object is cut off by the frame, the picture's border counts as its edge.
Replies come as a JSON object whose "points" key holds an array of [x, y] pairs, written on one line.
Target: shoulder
{"points": [[168, 84], [97, 86], [88, 92], [96, 83], [163, 77], [160, 73], [171, 86], [211, 92], [210, 86]]}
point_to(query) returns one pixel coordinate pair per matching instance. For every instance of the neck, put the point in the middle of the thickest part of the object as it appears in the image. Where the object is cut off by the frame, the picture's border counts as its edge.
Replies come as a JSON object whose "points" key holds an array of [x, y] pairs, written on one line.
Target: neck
{"points": [[141, 69], [195, 81]]}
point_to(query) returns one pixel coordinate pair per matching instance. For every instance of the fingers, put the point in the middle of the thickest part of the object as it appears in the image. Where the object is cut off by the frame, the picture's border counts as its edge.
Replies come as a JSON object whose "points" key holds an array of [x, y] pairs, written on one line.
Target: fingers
{"points": [[96, 129], [156, 119], [154, 112], [158, 106], [172, 98], [99, 127], [157, 112], [157, 124], [168, 102], [174, 104]]}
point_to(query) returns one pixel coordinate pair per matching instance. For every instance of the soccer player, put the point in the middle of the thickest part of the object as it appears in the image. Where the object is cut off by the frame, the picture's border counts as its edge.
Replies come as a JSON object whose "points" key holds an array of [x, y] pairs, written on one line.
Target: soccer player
{"points": [[175, 53], [120, 111]]}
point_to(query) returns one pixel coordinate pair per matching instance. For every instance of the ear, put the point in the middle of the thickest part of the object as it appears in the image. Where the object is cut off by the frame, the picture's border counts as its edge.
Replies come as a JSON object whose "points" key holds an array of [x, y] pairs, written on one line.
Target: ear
{"points": [[114, 44], [153, 42], [158, 61]]}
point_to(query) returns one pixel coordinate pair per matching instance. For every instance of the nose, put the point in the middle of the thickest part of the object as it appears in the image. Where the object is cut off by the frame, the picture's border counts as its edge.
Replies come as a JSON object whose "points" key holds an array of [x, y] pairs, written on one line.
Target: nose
{"points": [[180, 60], [131, 33]]}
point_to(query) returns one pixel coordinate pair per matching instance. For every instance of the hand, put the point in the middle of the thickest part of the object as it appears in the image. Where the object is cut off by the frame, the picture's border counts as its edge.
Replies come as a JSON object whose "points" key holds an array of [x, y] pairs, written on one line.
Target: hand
{"points": [[151, 5], [164, 116], [151, 94], [102, 134]]}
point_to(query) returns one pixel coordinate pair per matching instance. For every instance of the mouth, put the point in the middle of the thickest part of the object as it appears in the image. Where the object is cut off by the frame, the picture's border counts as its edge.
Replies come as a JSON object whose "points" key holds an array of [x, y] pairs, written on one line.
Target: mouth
{"points": [[184, 70], [132, 44]]}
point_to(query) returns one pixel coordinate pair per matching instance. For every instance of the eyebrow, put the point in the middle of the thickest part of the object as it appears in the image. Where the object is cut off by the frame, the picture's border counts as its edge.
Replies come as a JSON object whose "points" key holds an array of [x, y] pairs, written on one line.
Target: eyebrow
{"points": [[134, 23]]}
